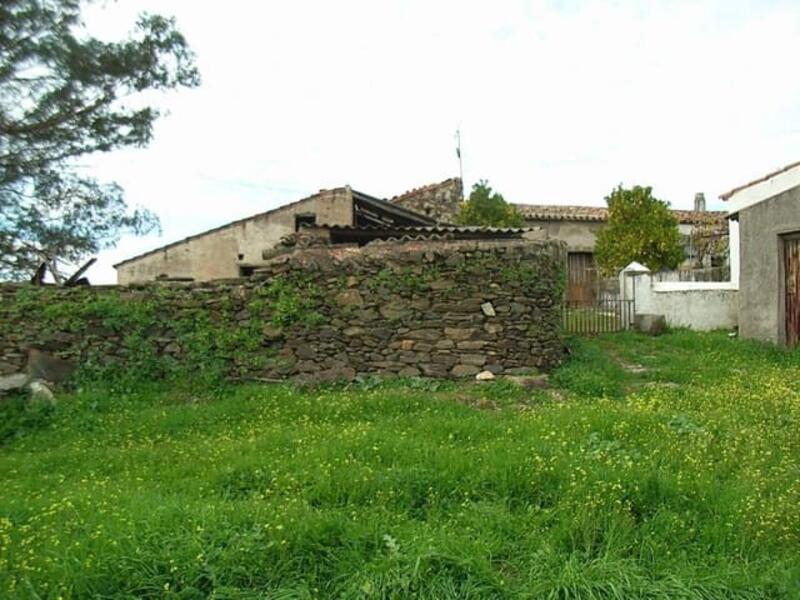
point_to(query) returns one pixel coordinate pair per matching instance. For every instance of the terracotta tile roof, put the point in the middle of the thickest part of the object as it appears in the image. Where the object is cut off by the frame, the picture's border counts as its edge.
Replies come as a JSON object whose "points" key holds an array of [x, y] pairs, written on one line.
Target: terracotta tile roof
{"points": [[727, 195], [558, 212], [696, 217], [438, 228]]}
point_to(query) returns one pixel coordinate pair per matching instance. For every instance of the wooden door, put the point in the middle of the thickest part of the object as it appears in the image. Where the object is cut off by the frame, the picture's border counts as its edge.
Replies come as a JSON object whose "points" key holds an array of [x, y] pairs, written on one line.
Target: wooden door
{"points": [[791, 266], [582, 278]]}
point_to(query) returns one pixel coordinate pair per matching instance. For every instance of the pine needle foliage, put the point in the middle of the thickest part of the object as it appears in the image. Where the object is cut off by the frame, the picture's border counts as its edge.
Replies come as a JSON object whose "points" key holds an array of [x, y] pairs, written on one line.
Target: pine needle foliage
{"points": [[65, 95]]}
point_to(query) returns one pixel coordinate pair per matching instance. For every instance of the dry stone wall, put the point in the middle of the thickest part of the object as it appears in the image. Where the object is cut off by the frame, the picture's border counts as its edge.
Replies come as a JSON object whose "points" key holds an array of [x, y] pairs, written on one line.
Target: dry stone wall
{"points": [[436, 309], [440, 201]]}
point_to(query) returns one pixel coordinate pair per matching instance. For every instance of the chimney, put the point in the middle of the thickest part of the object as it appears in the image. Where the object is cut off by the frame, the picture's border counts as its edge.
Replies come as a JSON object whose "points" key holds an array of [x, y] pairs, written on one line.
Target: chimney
{"points": [[700, 202]]}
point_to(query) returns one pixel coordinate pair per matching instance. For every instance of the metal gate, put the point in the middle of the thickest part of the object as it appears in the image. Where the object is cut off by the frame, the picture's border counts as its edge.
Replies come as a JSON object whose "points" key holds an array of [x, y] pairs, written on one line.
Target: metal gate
{"points": [[791, 254], [593, 304]]}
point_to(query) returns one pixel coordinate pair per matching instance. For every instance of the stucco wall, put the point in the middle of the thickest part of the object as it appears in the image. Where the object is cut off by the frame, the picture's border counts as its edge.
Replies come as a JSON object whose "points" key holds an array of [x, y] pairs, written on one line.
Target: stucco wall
{"points": [[761, 272], [580, 236], [216, 254], [702, 306]]}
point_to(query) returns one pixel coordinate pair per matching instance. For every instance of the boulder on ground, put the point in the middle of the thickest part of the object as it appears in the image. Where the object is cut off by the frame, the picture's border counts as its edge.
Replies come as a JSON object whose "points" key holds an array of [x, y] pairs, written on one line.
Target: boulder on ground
{"points": [[40, 393], [16, 381], [650, 324], [485, 376], [47, 367]]}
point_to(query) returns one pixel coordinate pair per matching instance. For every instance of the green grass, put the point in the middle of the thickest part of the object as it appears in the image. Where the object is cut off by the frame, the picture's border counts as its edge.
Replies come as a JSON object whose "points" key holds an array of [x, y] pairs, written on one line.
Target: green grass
{"points": [[658, 468]]}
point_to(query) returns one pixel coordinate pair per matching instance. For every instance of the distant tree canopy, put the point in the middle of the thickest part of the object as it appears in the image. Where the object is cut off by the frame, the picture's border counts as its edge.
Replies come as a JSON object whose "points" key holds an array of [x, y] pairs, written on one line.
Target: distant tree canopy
{"points": [[64, 95], [640, 228], [488, 208]]}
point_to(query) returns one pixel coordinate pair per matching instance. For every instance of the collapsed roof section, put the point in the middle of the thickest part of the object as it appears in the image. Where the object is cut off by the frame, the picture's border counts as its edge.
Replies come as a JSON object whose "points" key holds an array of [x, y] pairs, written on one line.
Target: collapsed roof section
{"points": [[371, 212]]}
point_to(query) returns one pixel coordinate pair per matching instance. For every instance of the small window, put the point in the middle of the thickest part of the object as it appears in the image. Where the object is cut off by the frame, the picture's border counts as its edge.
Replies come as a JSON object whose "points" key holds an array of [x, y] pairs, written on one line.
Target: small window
{"points": [[246, 271], [304, 220]]}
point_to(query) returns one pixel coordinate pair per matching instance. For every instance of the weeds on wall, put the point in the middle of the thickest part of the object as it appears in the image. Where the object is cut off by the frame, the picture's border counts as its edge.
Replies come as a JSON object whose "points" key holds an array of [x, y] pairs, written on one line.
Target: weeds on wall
{"points": [[203, 342]]}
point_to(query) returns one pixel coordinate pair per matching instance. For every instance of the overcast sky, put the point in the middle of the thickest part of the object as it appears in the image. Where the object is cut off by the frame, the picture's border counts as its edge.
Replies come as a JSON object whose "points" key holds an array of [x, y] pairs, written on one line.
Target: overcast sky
{"points": [[557, 102]]}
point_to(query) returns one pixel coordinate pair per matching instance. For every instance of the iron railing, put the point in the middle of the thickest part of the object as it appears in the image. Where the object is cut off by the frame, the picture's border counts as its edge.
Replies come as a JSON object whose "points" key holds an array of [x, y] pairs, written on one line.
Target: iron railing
{"points": [[603, 315]]}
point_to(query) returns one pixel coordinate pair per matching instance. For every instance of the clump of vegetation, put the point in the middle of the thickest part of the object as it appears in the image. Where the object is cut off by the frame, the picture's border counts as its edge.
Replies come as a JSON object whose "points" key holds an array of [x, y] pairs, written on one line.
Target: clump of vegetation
{"points": [[488, 208], [640, 228], [676, 480], [212, 342], [66, 95]]}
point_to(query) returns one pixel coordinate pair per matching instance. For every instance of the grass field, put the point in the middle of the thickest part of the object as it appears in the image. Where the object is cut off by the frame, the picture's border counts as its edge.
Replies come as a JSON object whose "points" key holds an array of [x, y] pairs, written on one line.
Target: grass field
{"points": [[656, 468]]}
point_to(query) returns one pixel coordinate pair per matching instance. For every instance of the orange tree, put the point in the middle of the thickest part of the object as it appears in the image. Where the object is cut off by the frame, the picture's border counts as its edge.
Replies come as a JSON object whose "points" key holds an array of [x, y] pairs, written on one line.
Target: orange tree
{"points": [[640, 228]]}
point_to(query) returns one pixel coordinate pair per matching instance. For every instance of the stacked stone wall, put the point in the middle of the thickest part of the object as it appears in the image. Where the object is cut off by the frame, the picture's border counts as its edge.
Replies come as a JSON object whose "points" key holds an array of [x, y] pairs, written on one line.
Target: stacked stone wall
{"points": [[439, 201], [437, 309]]}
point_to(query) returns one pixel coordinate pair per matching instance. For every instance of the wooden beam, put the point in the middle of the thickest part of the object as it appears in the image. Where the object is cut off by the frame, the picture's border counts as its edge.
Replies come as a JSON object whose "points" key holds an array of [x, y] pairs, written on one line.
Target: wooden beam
{"points": [[77, 274]]}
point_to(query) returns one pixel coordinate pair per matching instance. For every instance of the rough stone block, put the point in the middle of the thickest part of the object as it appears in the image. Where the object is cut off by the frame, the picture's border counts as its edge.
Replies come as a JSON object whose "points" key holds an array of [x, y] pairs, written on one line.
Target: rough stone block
{"points": [[9, 383], [488, 310], [272, 332], [354, 331], [409, 372], [458, 333], [471, 345], [305, 352], [349, 297], [650, 324], [464, 371], [485, 376], [428, 335], [473, 359], [47, 367], [395, 310]]}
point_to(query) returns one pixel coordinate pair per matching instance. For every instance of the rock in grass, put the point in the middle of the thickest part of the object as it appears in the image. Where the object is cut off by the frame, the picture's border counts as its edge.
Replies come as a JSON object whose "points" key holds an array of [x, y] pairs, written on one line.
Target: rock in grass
{"points": [[47, 367], [40, 393], [485, 376], [9, 383], [650, 324]]}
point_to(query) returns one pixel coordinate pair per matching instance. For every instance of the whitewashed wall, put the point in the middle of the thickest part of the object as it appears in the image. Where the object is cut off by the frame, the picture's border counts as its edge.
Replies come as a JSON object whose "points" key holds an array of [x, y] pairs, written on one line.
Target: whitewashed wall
{"points": [[702, 306]]}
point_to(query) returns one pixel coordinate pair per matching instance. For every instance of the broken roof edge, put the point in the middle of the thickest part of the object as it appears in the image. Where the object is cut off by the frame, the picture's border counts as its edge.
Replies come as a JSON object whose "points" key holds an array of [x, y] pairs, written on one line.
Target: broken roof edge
{"points": [[729, 194], [229, 224], [391, 207], [426, 188], [384, 205]]}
